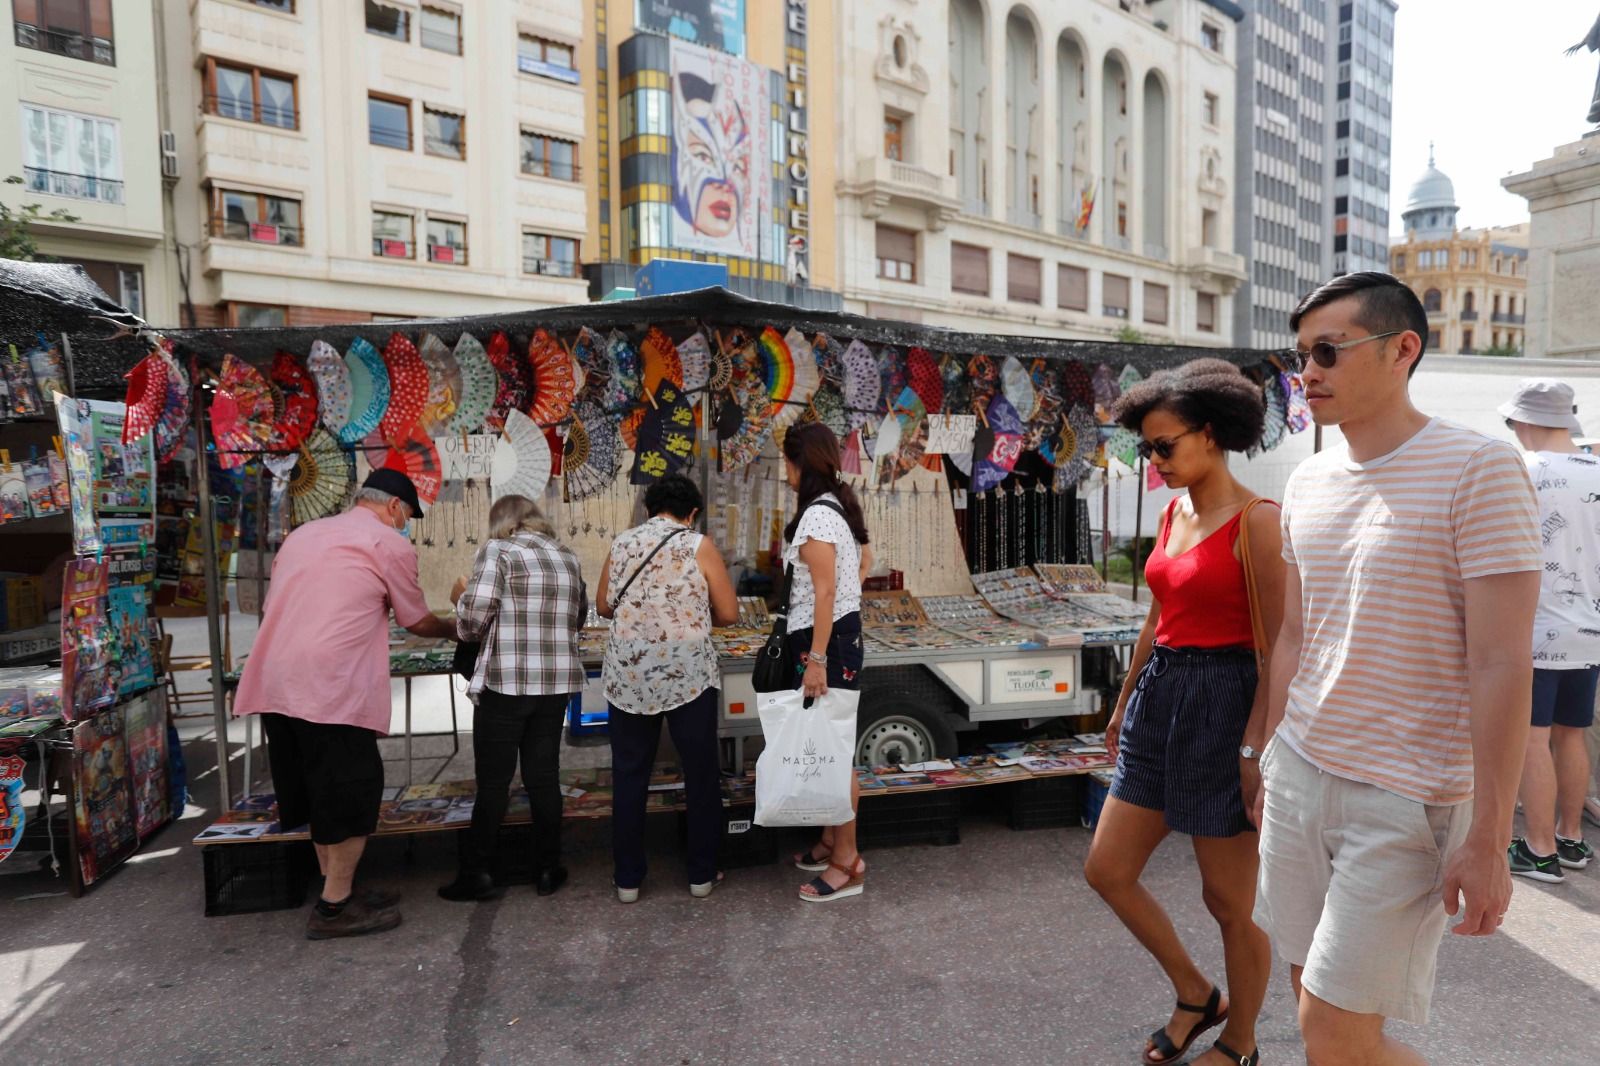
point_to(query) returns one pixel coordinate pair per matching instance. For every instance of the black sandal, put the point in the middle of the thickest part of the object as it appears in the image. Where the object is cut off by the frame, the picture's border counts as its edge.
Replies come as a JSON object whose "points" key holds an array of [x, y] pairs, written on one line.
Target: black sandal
{"points": [[1243, 1060], [1210, 1016]]}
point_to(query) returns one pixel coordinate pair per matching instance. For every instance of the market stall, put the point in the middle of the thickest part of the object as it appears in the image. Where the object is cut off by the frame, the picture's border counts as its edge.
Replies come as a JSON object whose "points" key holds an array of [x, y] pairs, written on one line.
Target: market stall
{"points": [[80, 699]]}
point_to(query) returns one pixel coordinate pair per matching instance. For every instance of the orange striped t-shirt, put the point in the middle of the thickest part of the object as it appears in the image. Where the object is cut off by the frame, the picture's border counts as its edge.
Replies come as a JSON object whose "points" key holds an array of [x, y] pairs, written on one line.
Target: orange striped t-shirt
{"points": [[1383, 549]]}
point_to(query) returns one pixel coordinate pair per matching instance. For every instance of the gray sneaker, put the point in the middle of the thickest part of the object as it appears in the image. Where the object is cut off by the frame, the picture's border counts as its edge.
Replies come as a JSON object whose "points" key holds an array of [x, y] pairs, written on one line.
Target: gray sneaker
{"points": [[1524, 863], [1574, 854], [357, 919]]}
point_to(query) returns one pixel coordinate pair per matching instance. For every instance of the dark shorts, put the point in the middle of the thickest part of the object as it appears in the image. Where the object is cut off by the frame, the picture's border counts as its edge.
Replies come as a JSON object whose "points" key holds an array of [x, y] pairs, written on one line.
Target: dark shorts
{"points": [[1564, 697], [330, 776], [1179, 747], [845, 653]]}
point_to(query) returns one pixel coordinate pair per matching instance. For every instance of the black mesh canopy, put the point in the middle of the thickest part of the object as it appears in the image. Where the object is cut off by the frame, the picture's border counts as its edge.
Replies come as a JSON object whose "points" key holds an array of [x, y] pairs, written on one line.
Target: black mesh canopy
{"points": [[59, 299]]}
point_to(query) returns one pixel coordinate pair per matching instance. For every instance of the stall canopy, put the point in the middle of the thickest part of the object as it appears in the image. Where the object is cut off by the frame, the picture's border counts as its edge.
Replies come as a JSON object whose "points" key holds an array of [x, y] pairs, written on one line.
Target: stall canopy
{"points": [[60, 299], [716, 306]]}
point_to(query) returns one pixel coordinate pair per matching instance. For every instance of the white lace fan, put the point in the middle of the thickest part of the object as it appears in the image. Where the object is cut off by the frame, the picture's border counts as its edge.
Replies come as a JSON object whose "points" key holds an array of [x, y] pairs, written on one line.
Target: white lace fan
{"points": [[521, 462]]}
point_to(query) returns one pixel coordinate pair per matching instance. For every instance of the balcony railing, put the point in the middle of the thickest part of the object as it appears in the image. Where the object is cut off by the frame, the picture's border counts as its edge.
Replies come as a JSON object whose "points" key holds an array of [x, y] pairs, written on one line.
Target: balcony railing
{"points": [[393, 248], [1506, 316], [545, 168], [555, 268], [1469, 316], [452, 254], [77, 186], [234, 229], [75, 45], [286, 118]]}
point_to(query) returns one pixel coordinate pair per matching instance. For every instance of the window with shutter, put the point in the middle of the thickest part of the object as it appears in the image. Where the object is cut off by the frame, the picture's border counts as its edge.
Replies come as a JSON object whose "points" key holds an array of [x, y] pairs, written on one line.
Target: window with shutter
{"points": [[969, 269], [1072, 288], [897, 254], [1022, 279], [1114, 296], [1205, 313], [1155, 303]]}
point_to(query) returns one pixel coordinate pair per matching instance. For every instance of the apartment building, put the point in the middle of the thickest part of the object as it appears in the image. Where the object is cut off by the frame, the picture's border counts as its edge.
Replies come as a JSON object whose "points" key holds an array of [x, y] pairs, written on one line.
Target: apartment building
{"points": [[1364, 102]]}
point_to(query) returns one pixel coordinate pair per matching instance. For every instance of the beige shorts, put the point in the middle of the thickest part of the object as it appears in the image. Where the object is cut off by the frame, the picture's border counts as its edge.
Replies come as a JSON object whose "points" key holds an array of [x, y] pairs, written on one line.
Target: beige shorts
{"points": [[1352, 885]]}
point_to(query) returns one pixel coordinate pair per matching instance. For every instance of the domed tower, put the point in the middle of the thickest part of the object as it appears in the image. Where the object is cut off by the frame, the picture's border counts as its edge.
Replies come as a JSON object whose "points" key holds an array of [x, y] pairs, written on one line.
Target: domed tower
{"points": [[1431, 206]]}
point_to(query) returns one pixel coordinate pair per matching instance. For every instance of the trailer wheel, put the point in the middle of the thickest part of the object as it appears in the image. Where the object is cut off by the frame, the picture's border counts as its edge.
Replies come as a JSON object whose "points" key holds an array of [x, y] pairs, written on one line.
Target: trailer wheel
{"points": [[900, 730]]}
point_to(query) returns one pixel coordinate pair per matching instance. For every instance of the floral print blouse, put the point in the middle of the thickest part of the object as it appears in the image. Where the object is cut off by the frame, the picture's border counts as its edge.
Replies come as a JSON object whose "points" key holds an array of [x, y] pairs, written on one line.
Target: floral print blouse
{"points": [[659, 655]]}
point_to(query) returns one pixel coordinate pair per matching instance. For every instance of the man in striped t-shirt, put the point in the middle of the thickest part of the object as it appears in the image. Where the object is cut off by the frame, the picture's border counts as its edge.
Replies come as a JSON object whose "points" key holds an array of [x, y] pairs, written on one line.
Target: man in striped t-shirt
{"points": [[1400, 685]]}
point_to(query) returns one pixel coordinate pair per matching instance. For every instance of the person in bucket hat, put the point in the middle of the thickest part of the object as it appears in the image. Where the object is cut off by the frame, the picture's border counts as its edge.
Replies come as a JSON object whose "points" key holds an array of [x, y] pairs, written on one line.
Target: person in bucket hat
{"points": [[1566, 631]]}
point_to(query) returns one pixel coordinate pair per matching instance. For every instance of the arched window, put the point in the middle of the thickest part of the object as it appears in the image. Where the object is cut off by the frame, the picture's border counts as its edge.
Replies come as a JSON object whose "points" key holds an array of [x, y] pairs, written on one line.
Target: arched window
{"points": [[1154, 177], [969, 88], [1023, 121], [1469, 302], [1432, 300]]}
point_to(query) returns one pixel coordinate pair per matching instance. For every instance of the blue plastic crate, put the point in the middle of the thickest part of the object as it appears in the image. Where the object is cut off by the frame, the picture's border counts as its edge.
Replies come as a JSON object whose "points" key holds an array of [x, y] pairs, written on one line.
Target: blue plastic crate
{"points": [[588, 714]]}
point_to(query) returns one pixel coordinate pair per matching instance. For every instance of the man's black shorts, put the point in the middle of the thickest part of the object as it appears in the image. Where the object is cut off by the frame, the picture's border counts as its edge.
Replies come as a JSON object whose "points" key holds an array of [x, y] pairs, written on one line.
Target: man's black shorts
{"points": [[328, 775]]}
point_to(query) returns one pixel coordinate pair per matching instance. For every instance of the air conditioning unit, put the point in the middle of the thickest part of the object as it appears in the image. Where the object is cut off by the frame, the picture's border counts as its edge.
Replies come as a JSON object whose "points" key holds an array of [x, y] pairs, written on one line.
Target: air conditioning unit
{"points": [[169, 155]]}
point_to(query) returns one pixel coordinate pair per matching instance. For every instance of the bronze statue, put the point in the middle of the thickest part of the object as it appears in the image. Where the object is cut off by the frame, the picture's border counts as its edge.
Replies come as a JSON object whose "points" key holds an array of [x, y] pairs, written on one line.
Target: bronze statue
{"points": [[1592, 43]]}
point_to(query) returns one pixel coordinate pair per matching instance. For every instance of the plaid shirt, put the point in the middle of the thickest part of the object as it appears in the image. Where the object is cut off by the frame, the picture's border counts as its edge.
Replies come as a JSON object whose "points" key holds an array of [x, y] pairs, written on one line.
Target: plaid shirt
{"points": [[527, 603]]}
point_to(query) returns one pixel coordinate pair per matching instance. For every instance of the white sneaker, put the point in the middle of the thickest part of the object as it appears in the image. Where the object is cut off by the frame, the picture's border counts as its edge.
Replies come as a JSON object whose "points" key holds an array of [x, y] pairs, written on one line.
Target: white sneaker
{"points": [[1591, 810], [705, 888], [627, 895]]}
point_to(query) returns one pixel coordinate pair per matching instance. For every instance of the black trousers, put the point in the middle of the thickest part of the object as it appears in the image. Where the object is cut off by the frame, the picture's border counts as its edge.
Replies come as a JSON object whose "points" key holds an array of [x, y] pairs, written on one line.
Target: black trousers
{"points": [[503, 728], [634, 738]]}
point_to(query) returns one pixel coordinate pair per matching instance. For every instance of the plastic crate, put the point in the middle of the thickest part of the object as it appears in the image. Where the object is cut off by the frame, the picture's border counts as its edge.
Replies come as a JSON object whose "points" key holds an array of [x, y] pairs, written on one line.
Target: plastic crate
{"points": [[1045, 803], [1094, 799], [744, 844], [911, 818], [249, 877]]}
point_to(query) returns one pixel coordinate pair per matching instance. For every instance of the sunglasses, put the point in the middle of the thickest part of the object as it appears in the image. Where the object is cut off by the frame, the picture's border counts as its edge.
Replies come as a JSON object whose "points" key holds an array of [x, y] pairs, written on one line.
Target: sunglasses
{"points": [[1161, 448], [1326, 353]]}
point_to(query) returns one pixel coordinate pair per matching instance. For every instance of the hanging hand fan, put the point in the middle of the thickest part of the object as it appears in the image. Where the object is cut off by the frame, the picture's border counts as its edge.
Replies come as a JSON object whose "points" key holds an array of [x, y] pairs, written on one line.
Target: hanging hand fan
{"points": [[299, 414], [694, 355], [984, 382], [1078, 442], [369, 391], [997, 445], [241, 414], [922, 375], [146, 397], [1017, 385], [863, 387], [408, 388], [624, 387], [592, 455], [521, 463], [479, 386], [322, 478], [1123, 446], [174, 420], [333, 385], [666, 437], [1297, 412], [803, 362], [891, 372], [1046, 421], [444, 385], [417, 457], [830, 361], [1129, 377], [659, 361], [1275, 426], [551, 372], [909, 419], [742, 447], [828, 406], [774, 366], [516, 383], [957, 387], [589, 352], [1077, 387], [850, 453], [1106, 392]]}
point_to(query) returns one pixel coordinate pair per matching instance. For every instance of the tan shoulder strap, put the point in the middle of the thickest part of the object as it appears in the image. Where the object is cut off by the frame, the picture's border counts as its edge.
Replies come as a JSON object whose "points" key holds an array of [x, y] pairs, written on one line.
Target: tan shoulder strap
{"points": [[1258, 627]]}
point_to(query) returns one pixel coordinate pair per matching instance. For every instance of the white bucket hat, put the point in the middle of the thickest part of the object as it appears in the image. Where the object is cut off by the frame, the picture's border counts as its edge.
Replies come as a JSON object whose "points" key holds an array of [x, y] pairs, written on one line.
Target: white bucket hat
{"points": [[1544, 402]]}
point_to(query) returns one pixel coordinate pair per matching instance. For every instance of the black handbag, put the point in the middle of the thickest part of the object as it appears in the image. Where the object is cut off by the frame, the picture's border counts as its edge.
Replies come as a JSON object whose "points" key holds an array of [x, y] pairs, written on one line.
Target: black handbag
{"points": [[466, 658], [772, 672]]}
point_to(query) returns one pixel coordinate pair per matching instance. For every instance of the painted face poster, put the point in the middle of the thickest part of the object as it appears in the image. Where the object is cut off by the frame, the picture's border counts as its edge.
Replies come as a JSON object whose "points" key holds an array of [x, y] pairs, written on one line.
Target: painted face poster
{"points": [[88, 664], [102, 795], [73, 418], [711, 23], [147, 756], [721, 152]]}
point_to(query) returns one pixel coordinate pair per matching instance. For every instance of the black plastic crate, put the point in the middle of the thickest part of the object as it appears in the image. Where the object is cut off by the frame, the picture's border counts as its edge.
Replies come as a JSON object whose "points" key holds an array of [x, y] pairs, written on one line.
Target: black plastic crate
{"points": [[246, 878], [932, 817], [744, 843], [1045, 803]]}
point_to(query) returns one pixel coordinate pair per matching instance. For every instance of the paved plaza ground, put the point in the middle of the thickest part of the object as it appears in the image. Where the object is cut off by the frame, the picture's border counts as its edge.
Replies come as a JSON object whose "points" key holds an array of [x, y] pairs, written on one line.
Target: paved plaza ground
{"points": [[993, 950]]}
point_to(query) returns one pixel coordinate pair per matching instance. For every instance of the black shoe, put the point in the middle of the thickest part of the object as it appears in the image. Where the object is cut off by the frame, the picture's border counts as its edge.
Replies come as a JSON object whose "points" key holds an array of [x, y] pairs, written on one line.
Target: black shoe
{"points": [[1524, 863], [470, 887], [550, 879], [1574, 854]]}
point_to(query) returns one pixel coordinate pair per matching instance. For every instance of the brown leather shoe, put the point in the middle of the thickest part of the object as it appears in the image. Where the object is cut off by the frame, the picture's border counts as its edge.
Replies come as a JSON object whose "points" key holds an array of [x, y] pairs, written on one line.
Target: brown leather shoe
{"points": [[357, 919]]}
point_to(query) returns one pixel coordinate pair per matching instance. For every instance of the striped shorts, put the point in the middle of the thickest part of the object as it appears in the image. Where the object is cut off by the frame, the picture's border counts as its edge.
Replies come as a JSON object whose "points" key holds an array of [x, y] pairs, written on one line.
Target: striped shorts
{"points": [[1179, 747]]}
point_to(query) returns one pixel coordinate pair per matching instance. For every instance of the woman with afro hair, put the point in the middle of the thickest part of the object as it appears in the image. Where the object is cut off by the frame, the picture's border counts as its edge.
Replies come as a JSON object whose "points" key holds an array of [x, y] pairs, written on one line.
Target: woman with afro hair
{"points": [[1190, 717]]}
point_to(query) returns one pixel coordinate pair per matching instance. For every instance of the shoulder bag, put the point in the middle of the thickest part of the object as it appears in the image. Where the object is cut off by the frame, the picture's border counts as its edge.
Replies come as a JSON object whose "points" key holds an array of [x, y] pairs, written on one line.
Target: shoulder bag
{"points": [[1258, 626], [771, 673], [662, 543]]}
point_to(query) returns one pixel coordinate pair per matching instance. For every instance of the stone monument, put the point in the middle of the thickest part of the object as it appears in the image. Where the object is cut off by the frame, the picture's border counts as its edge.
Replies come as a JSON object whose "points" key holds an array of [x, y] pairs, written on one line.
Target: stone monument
{"points": [[1563, 194]]}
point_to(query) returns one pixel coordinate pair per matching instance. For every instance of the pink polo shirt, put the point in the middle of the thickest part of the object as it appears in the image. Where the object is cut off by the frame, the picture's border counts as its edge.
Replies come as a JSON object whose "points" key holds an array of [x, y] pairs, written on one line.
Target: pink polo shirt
{"points": [[322, 653]]}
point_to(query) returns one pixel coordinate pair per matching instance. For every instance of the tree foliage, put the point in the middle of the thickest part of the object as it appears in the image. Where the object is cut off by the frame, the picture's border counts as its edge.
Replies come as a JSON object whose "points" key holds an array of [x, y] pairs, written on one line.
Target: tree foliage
{"points": [[16, 238]]}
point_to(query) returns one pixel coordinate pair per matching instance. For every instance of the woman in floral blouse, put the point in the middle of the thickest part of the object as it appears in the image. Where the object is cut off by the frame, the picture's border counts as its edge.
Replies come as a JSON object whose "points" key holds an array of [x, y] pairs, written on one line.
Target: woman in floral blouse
{"points": [[664, 586]]}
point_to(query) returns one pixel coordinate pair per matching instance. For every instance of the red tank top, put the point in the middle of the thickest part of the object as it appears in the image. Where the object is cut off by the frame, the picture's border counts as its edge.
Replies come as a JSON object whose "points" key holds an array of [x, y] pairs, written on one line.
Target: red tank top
{"points": [[1202, 593]]}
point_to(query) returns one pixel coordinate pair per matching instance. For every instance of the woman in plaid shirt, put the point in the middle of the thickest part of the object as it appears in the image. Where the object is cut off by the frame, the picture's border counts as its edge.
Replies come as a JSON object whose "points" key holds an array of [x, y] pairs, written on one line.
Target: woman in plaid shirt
{"points": [[526, 603]]}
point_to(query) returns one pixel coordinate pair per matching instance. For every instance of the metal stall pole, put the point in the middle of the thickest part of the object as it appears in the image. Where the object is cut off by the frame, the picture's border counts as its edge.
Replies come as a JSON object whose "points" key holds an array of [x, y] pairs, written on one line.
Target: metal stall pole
{"points": [[1105, 525], [208, 544], [1138, 527]]}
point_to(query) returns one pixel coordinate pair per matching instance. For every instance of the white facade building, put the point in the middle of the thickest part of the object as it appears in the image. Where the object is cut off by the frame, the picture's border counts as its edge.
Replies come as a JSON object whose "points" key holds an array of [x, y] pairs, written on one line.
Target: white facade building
{"points": [[341, 161], [78, 125], [970, 133]]}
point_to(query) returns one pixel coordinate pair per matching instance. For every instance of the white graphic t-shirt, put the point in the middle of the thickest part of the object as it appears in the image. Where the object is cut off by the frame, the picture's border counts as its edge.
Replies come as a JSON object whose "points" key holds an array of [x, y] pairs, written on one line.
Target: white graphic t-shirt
{"points": [[1566, 629]]}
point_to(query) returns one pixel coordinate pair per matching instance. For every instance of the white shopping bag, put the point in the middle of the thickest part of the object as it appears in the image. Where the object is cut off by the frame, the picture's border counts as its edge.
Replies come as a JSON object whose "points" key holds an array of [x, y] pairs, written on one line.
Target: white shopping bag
{"points": [[803, 775]]}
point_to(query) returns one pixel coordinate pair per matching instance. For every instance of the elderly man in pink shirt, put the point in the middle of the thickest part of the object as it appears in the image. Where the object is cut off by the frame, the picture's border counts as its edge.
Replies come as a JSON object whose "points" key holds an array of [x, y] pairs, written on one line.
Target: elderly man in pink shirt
{"points": [[319, 677]]}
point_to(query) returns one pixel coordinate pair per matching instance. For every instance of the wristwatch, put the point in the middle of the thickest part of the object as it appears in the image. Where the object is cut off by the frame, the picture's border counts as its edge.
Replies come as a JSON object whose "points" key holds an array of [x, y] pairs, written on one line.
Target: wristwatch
{"points": [[1247, 752]]}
